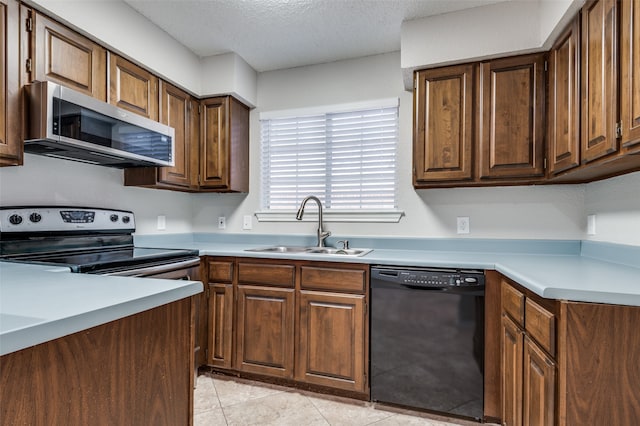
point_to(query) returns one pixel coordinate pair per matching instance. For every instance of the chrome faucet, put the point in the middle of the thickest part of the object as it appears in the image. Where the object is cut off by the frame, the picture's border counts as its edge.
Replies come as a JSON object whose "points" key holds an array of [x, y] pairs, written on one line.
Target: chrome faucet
{"points": [[322, 234]]}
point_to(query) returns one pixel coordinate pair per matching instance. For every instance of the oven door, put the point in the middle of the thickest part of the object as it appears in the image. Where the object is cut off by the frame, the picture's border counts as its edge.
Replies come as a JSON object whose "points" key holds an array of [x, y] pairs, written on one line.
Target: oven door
{"points": [[186, 269]]}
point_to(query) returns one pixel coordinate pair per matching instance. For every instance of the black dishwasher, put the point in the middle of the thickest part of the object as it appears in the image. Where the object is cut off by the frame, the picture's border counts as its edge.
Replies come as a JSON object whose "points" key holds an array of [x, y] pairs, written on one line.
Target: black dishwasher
{"points": [[427, 339]]}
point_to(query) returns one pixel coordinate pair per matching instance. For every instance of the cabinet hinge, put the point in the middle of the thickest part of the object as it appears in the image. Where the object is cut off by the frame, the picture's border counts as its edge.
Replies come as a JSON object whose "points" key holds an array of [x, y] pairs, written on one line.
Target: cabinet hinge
{"points": [[619, 129], [206, 354], [544, 164], [28, 64], [546, 65], [29, 24], [366, 308]]}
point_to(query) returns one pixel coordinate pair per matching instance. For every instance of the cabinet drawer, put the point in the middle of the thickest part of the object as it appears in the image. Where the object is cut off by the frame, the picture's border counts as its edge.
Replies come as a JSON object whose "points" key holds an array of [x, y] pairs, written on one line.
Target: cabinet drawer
{"points": [[350, 280], [513, 302], [266, 274], [220, 271], [540, 324]]}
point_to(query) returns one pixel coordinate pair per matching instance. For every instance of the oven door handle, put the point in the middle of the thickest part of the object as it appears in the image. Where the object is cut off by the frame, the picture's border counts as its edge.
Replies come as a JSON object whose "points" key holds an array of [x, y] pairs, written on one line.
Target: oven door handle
{"points": [[156, 269]]}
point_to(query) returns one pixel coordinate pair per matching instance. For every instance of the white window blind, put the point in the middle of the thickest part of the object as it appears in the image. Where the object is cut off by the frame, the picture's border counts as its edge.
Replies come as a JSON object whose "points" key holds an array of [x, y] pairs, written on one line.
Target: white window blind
{"points": [[346, 158]]}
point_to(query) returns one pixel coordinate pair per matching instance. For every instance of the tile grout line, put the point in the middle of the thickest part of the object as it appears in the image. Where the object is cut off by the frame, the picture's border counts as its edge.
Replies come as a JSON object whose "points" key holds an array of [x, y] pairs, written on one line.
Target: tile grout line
{"points": [[213, 381], [317, 409]]}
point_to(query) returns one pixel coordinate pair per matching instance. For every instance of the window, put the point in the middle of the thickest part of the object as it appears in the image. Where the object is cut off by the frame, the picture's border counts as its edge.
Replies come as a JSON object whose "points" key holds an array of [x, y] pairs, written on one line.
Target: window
{"points": [[346, 157]]}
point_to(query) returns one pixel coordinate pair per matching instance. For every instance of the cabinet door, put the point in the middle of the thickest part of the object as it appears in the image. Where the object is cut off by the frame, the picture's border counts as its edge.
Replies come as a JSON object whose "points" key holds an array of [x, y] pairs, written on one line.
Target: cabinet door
{"points": [[512, 347], [599, 90], [630, 75], [65, 57], [132, 88], [443, 139], [264, 339], [220, 325], [512, 117], [175, 111], [214, 148], [563, 122], [538, 386], [331, 349], [10, 117]]}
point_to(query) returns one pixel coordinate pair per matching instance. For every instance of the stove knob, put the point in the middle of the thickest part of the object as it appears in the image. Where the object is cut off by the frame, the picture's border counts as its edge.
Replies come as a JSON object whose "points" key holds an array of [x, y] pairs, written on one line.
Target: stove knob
{"points": [[15, 219], [126, 219], [35, 217], [114, 218]]}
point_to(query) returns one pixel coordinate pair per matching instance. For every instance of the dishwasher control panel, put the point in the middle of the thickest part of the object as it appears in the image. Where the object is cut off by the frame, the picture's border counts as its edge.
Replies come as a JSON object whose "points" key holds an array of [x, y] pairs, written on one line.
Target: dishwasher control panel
{"points": [[428, 277]]}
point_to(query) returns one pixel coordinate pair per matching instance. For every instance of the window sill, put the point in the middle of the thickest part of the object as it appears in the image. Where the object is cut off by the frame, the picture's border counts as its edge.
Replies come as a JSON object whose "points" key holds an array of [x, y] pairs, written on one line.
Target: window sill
{"points": [[372, 216]]}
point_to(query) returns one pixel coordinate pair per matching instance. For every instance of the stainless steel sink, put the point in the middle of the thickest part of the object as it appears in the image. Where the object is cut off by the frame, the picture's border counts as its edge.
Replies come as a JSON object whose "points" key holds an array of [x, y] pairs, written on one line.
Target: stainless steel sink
{"points": [[279, 249], [339, 252], [356, 252]]}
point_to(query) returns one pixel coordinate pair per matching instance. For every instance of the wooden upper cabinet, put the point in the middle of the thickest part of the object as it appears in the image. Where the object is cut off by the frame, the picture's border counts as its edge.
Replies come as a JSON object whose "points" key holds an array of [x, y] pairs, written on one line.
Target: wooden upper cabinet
{"points": [[563, 123], [512, 117], [176, 107], [11, 116], [132, 88], [630, 75], [65, 57], [214, 149], [444, 136], [224, 145], [599, 80]]}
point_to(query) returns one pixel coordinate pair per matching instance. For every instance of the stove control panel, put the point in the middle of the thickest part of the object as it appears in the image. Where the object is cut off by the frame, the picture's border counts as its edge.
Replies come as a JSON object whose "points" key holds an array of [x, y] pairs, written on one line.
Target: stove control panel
{"points": [[61, 219]]}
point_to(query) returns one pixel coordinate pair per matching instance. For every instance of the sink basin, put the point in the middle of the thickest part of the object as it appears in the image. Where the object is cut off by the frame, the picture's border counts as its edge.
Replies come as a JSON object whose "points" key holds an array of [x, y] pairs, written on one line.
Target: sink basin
{"points": [[339, 252], [280, 249], [312, 250]]}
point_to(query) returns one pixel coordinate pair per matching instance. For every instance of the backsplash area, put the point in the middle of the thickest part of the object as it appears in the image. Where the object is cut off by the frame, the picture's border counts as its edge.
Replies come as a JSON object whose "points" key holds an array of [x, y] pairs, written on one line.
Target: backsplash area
{"points": [[546, 212]]}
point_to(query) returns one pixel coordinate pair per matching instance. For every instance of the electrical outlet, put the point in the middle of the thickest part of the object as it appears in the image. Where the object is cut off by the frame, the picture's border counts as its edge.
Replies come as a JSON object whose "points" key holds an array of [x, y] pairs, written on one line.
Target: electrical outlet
{"points": [[463, 225], [591, 224], [162, 222], [247, 222], [222, 222]]}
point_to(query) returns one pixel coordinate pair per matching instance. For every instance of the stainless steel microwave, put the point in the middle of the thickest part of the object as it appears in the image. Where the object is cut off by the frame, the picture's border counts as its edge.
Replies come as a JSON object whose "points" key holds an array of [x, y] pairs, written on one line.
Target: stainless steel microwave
{"points": [[63, 123]]}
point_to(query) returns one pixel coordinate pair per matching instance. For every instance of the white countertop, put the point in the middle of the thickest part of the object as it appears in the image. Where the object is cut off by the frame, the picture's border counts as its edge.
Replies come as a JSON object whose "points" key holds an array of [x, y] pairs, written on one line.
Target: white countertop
{"points": [[564, 273], [41, 303]]}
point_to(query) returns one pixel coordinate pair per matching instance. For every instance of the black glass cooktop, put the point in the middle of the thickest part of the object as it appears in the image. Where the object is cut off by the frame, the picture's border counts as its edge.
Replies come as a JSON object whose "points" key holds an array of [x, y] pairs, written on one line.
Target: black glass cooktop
{"points": [[96, 261]]}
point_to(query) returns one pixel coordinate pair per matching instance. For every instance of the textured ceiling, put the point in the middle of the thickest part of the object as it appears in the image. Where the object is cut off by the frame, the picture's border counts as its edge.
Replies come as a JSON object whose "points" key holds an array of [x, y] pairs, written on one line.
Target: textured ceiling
{"points": [[277, 34]]}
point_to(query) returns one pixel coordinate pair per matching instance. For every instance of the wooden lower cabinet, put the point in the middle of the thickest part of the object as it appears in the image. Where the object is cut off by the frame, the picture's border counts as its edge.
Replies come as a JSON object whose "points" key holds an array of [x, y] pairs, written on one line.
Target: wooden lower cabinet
{"points": [[528, 371], [512, 348], [331, 344], [568, 363], [220, 348], [135, 370], [303, 322], [598, 359], [264, 330], [538, 386]]}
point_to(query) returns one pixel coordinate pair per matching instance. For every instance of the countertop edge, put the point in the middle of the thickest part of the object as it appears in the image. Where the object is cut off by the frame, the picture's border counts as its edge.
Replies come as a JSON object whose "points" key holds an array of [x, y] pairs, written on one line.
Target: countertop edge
{"points": [[47, 330]]}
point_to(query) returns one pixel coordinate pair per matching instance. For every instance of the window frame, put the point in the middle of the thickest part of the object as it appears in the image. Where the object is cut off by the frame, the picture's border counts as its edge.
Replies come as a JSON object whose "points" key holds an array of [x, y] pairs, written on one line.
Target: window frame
{"points": [[390, 215]]}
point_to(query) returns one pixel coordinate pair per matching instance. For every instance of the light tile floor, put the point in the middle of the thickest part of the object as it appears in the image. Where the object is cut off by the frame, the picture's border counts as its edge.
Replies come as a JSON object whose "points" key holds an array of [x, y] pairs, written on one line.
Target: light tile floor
{"points": [[220, 400]]}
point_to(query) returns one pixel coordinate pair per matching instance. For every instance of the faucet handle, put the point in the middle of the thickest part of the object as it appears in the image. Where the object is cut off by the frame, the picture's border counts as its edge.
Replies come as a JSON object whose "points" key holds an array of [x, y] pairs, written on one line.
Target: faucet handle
{"points": [[345, 244]]}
